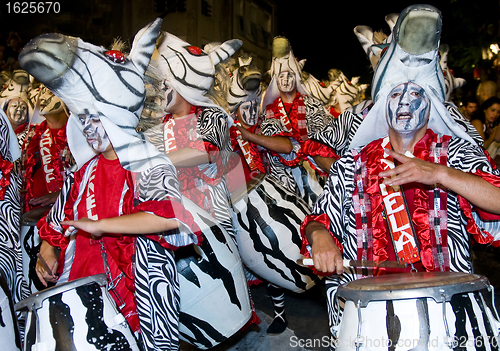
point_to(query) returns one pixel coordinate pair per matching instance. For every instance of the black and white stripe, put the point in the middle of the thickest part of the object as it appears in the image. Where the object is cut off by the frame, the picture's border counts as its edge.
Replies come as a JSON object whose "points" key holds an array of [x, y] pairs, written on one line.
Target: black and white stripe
{"points": [[158, 295]]}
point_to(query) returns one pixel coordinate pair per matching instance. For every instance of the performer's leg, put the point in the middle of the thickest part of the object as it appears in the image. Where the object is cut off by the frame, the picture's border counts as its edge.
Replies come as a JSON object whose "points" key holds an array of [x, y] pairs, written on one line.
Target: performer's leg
{"points": [[279, 323], [158, 296]]}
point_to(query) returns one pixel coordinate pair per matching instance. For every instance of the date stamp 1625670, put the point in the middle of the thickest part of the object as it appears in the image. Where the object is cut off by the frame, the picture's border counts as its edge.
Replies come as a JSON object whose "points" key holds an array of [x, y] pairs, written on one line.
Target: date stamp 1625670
{"points": [[33, 7]]}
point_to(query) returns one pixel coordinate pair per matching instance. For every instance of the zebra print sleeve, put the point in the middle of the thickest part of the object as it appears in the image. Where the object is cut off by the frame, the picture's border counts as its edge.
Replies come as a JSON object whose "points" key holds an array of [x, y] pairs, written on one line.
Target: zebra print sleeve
{"points": [[316, 117], [158, 183], [336, 202], [213, 128], [57, 213], [467, 157], [272, 127], [339, 132], [464, 123]]}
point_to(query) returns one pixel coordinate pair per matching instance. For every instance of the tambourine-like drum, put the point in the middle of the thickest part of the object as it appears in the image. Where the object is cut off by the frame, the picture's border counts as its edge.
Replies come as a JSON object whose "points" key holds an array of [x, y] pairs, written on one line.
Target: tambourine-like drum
{"points": [[30, 242], [214, 302], [419, 311], [268, 234], [78, 315]]}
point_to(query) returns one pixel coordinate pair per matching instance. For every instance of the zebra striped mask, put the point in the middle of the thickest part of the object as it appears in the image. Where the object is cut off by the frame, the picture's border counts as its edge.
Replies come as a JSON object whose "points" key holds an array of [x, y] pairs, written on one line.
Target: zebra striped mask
{"points": [[412, 56], [189, 69], [244, 85], [283, 61], [98, 82]]}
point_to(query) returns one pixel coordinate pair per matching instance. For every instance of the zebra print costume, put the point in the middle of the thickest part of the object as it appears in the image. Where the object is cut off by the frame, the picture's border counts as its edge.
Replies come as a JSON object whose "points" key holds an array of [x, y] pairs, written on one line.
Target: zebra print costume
{"points": [[316, 120], [10, 212], [339, 132], [156, 281], [337, 203]]}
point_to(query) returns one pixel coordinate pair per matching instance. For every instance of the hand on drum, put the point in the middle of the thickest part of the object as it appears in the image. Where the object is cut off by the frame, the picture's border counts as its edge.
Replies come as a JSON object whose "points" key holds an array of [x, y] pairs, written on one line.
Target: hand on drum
{"points": [[46, 264], [45, 200], [325, 252], [86, 224], [412, 170]]}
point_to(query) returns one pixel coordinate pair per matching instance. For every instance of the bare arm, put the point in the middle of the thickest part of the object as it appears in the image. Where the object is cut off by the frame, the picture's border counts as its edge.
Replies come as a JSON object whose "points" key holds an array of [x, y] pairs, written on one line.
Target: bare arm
{"points": [[473, 188], [479, 127], [325, 163], [279, 144], [188, 157], [135, 223], [50, 254], [325, 253]]}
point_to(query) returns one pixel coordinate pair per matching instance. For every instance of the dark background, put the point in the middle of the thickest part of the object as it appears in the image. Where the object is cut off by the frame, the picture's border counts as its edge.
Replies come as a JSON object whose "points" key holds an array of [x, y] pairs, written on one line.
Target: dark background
{"points": [[322, 32]]}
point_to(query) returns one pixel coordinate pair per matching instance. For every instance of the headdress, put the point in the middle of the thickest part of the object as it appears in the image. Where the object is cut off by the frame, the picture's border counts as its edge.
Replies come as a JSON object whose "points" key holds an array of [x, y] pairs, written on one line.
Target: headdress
{"points": [[412, 56]]}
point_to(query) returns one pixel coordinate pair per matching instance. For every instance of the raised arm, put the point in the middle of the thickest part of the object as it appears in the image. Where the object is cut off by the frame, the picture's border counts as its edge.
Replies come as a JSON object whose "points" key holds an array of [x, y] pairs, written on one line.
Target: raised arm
{"points": [[473, 188]]}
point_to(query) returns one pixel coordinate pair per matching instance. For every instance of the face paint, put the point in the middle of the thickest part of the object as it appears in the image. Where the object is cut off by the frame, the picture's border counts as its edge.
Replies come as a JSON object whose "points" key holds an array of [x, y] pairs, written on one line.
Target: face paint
{"points": [[50, 104], [286, 81], [94, 132], [169, 96], [249, 112], [17, 111], [408, 108]]}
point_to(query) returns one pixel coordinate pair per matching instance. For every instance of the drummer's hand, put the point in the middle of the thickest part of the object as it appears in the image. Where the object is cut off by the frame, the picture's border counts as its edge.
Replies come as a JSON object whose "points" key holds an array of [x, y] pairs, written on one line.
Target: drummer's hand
{"points": [[45, 199], [86, 224], [412, 170], [50, 255], [245, 134], [325, 253]]}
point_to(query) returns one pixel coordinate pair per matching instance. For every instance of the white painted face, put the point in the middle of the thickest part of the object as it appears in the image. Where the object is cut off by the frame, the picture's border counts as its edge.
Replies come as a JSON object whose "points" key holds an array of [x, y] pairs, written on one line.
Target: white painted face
{"points": [[249, 112], [169, 96], [407, 108], [50, 104], [286, 81], [17, 111], [94, 132]]}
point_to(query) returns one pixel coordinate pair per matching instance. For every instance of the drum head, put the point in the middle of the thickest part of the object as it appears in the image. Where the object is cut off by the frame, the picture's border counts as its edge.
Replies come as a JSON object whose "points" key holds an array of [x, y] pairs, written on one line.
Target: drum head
{"points": [[440, 286]]}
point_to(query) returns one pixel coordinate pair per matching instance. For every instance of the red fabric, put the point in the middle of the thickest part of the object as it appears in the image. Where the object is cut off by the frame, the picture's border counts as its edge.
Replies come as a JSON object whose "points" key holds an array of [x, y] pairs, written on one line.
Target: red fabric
{"points": [[334, 113], [5, 169], [185, 135], [21, 128], [101, 199], [37, 182], [313, 148], [323, 219]]}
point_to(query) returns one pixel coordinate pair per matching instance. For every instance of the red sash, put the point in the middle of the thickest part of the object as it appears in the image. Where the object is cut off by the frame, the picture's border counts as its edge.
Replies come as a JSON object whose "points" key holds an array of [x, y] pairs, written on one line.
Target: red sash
{"points": [[398, 218], [298, 113], [5, 169]]}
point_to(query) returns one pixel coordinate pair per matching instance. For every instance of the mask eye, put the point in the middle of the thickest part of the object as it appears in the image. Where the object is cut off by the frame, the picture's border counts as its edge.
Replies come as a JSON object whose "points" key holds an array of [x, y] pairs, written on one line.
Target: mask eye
{"points": [[195, 50], [115, 56]]}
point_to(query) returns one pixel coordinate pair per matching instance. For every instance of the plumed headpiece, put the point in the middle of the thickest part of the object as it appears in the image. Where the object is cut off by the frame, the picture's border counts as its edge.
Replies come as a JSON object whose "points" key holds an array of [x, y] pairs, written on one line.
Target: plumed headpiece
{"points": [[190, 69], [245, 85], [412, 56], [283, 60]]}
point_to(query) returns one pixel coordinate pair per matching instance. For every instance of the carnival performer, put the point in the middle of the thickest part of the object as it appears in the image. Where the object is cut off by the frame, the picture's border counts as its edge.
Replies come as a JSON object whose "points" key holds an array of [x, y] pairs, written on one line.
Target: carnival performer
{"points": [[121, 212], [243, 98], [339, 133], [10, 248], [45, 154], [196, 129], [445, 169], [292, 116]]}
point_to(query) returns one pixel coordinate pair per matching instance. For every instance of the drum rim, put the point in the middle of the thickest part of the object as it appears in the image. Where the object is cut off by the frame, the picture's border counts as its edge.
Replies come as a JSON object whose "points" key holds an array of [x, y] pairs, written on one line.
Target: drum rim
{"points": [[441, 292], [34, 301]]}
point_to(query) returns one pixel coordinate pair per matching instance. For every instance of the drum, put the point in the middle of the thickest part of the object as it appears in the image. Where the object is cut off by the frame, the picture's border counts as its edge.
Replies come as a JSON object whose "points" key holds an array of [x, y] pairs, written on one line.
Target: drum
{"points": [[9, 331], [30, 246], [268, 234], [214, 302], [419, 311], [77, 315]]}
